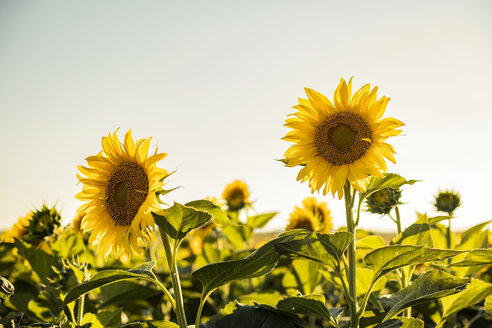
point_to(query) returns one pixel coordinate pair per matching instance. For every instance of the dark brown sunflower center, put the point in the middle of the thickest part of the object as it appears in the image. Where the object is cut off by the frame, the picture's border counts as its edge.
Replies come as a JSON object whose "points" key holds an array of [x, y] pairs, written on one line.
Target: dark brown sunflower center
{"points": [[343, 138], [126, 191]]}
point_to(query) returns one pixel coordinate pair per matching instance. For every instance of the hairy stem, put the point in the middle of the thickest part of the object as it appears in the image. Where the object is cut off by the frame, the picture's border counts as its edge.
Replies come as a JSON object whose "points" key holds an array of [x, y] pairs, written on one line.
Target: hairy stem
{"points": [[352, 264], [171, 255]]}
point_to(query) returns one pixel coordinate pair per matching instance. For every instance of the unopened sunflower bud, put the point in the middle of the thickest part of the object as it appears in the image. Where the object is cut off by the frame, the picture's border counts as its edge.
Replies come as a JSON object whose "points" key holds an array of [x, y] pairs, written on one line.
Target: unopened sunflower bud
{"points": [[6, 288], [447, 201], [382, 201]]}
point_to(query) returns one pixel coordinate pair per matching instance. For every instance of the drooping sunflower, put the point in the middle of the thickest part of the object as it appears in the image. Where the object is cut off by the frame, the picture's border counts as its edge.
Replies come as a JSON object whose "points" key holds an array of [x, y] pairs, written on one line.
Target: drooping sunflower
{"points": [[18, 230], [301, 218], [120, 193], [341, 141], [321, 212], [236, 194]]}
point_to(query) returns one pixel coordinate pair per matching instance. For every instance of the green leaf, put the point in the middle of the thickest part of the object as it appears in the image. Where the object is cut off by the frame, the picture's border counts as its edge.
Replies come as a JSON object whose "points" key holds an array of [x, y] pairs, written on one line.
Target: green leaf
{"points": [[416, 234], [488, 304], [260, 220], [370, 242], [104, 278], [310, 305], [40, 261], [258, 263], [474, 293], [324, 248], [393, 323], [268, 298], [215, 211], [104, 319], [475, 237], [476, 257], [389, 258], [431, 285], [238, 235], [151, 324], [247, 316], [411, 322], [364, 278], [390, 180], [178, 220], [304, 276]]}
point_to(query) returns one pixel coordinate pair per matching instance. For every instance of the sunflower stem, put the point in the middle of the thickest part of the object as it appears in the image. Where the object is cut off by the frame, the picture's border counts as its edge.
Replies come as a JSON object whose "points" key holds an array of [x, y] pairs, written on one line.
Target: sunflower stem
{"points": [[80, 310], [352, 264], [403, 277], [171, 253]]}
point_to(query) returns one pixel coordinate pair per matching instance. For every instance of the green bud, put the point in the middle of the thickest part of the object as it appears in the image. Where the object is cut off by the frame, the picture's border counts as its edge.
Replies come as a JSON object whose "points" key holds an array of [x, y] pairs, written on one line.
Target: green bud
{"points": [[382, 201], [447, 201], [6, 288]]}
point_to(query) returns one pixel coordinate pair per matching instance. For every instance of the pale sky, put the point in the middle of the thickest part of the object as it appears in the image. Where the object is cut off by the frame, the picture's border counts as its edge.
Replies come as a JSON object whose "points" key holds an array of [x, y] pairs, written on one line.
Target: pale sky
{"points": [[213, 81]]}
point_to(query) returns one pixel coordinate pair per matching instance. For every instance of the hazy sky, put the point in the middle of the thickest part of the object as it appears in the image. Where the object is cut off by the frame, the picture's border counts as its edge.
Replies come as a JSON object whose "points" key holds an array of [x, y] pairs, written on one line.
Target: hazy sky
{"points": [[213, 81]]}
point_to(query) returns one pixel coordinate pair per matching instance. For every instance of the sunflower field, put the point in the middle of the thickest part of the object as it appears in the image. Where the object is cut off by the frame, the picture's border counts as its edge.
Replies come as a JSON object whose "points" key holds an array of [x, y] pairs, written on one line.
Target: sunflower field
{"points": [[134, 258]]}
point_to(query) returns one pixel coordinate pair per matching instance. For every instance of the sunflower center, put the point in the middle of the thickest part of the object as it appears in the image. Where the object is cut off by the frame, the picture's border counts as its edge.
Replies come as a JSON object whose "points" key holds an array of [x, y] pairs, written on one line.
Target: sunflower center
{"points": [[126, 191], [343, 138]]}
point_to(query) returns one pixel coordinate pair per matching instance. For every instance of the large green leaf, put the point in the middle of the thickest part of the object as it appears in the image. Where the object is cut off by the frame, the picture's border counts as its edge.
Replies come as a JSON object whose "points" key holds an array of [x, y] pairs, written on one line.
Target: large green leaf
{"points": [[389, 258], [324, 248], [431, 285], [304, 276], [411, 322], [103, 319], [476, 257], [215, 211], [488, 304], [310, 305], [108, 277], [40, 261], [246, 316], [475, 292], [370, 242], [390, 180], [416, 234], [260, 220], [258, 263], [178, 220], [475, 237], [238, 235]]}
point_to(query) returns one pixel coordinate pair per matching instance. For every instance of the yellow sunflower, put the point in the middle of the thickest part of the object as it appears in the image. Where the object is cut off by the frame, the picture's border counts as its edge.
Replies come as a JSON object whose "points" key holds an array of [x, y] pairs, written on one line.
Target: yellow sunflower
{"points": [[236, 194], [341, 141], [320, 211], [120, 193], [301, 218], [18, 230]]}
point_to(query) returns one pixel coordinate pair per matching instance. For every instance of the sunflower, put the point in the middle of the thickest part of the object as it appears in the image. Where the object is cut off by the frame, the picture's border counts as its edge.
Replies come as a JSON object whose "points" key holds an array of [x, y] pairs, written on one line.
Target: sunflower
{"points": [[236, 194], [120, 193], [18, 230], [341, 141], [320, 211], [301, 218]]}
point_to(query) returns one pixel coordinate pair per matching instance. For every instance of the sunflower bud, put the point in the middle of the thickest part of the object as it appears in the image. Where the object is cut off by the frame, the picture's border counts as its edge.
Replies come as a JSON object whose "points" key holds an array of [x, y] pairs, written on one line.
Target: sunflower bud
{"points": [[43, 223], [382, 201], [447, 201], [6, 288]]}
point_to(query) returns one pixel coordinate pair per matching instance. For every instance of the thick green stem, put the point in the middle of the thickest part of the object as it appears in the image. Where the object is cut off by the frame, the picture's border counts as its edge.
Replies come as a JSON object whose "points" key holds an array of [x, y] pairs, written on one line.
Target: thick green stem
{"points": [[80, 310], [403, 277], [203, 299], [352, 267], [173, 269], [164, 289], [398, 221]]}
